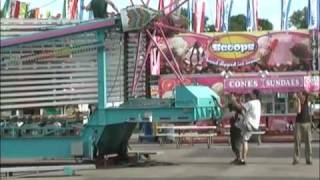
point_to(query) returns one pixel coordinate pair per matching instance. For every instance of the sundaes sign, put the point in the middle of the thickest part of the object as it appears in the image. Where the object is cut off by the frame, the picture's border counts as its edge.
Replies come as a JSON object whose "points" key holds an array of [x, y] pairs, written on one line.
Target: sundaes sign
{"points": [[279, 84]]}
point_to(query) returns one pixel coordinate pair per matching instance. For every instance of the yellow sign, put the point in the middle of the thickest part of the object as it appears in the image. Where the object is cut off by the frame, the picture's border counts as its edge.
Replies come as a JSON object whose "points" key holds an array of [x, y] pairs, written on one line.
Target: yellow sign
{"points": [[233, 47]]}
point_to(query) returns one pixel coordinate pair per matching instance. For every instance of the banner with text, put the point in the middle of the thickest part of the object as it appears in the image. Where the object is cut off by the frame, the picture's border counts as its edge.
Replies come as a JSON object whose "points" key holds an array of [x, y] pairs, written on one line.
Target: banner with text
{"points": [[242, 52]]}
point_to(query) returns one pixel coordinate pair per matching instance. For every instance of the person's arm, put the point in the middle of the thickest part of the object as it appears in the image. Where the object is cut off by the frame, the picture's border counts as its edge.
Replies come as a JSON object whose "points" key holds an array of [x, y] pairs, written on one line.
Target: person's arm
{"points": [[237, 105], [112, 5], [297, 105]]}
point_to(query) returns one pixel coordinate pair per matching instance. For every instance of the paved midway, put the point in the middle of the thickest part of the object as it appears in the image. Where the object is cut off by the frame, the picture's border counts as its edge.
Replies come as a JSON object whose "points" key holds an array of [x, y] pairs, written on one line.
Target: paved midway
{"points": [[269, 161]]}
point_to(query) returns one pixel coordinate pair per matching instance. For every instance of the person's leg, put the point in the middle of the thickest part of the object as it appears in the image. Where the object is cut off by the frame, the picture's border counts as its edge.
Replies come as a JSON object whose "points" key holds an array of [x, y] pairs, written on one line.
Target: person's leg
{"points": [[232, 141], [244, 147], [235, 137], [297, 140], [307, 142], [245, 150], [238, 143]]}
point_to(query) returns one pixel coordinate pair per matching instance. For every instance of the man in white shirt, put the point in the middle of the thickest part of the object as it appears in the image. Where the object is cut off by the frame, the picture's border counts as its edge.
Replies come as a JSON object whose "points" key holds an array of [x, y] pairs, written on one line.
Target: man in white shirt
{"points": [[251, 122]]}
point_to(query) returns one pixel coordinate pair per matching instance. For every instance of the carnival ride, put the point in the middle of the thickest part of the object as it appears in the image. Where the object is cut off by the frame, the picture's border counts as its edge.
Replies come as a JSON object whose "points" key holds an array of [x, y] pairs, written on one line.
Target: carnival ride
{"points": [[75, 64]]}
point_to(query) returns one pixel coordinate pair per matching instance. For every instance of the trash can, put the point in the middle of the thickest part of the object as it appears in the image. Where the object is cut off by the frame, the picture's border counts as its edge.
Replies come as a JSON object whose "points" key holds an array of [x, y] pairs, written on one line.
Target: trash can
{"points": [[148, 132]]}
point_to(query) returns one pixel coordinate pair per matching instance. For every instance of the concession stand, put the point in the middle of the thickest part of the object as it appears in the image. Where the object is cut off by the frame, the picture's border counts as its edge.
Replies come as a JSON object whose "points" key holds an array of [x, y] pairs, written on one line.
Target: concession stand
{"points": [[276, 63]]}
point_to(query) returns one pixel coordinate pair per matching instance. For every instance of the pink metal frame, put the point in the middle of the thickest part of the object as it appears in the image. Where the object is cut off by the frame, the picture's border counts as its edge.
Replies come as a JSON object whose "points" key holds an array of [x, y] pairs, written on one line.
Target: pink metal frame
{"points": [[158, 27]]}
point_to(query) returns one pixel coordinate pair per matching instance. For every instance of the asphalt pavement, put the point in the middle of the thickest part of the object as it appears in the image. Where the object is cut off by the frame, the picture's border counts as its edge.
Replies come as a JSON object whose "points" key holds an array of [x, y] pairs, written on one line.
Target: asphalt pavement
{"points": [[269, 161]]}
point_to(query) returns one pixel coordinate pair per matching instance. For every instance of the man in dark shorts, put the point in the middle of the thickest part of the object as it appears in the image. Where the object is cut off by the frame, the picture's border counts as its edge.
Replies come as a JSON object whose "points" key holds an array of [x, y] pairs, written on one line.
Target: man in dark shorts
{"points": [[235, 132], [99, 8]]}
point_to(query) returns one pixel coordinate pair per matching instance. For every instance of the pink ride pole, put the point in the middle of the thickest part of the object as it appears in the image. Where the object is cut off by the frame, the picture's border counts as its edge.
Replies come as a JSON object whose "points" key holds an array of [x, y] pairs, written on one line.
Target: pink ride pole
{"points": [[171, 53], [165, 57]]}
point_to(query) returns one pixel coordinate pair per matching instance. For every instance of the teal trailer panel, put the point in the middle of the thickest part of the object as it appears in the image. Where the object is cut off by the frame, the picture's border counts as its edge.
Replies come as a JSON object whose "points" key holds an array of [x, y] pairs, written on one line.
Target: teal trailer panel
{"points": [[37, 148]]}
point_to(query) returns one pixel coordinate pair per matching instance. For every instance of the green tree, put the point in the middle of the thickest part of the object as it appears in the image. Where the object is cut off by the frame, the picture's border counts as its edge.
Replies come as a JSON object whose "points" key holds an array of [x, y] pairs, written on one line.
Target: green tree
{"points": [[0, 13], [210, 28], [184, 12], [299, 18], [237, 23], [264, 24]]}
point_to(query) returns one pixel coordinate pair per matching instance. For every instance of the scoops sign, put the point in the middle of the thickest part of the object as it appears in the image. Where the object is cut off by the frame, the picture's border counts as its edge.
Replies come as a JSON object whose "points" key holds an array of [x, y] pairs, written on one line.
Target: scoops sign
{"points": [[233, 50], [274, 51]]}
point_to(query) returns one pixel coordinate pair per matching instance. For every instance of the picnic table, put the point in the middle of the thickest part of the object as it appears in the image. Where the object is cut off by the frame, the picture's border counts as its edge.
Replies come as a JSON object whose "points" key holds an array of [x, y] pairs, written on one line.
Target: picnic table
{"points": [[187, 131], [258, 133]]}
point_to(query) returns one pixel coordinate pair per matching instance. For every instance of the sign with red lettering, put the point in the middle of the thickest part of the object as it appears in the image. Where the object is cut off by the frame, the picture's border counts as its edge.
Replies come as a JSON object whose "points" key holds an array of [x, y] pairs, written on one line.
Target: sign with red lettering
{"points": [[275, 84], [312, 83], [240, 52]]}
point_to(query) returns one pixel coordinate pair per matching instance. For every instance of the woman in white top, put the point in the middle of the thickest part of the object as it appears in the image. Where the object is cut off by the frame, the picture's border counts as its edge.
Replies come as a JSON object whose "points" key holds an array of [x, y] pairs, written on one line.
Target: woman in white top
{"points": [[251, 122]]}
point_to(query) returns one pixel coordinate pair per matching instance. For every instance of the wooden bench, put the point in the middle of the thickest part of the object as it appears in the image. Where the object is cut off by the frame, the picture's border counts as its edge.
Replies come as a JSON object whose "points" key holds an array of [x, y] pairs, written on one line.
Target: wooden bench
{"points": [[179, 138], [181, 132], [141, 138], [107, 157], [258, 133], [141, 155]]}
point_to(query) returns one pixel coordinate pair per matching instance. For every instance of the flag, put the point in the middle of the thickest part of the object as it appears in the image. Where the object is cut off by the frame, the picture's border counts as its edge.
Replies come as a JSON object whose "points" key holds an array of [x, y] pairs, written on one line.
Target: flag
{"points": [[252, 15], [81, 9], [226, 14], [73, 9], [6, 9], [148, 2], [219, 13], [161, 5], [37, 13], [313, 14], [198, 15], [190, 2], [171, 5], [168, 5], [203, 17], [285, 8], [15, 9], [23, 10], [64, 9]]}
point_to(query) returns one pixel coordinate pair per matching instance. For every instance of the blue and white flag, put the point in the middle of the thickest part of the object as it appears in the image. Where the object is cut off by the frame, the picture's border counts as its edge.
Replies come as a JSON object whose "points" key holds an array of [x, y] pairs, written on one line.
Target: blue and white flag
{"points": [[226, 15], [219, 15], [252, 15], [285, 8], [313, 14], [190, 10], [81, 9], [6, 9]]}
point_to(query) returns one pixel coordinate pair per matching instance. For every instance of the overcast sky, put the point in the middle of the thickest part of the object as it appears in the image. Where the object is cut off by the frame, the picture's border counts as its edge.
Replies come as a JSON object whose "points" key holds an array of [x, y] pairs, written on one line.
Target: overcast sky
{"points": [[268, 9]]}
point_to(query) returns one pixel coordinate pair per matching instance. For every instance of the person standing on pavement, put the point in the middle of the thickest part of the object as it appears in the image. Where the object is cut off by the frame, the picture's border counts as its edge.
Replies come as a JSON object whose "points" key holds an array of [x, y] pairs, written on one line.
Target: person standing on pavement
{"points": [[251, 122], [235, 132], [100, 7], [302, 128]]}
